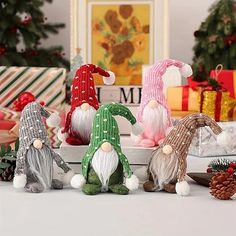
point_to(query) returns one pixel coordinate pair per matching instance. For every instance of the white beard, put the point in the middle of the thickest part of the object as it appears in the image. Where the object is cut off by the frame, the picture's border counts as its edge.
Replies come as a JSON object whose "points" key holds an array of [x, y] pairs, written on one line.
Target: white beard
{"points": [[105, 164], [155, 120], [40, 163], [81, 123], [163, 168]]}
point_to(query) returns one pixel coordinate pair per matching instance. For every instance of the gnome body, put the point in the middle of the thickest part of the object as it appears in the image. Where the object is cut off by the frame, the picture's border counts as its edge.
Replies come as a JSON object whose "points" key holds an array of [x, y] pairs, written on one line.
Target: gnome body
{"points": [[104, 164], [84, 104], [167, 167], [153, 111], [34, 165]]}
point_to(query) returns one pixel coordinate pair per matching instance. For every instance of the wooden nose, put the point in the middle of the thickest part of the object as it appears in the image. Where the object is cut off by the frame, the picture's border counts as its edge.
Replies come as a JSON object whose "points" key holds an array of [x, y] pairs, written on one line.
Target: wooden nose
{"points": [[38, 144], [153, 104], [106, 147], [85, 106]]}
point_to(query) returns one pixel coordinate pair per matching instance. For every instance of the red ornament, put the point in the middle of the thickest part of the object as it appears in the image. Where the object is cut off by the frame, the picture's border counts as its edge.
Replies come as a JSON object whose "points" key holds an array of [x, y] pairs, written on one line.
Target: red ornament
{"points": [[13, 29], [27, 20], [230, 170]]}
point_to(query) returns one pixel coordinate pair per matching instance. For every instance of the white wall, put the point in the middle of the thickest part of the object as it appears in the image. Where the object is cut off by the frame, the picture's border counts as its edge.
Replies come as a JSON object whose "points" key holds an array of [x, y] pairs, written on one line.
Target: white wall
{"points": [[185, 18]]}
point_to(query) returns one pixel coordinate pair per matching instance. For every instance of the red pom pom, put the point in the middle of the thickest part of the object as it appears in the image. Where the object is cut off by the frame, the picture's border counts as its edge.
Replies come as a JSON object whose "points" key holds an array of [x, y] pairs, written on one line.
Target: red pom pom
{"points": [[230, 170], [23, 99]]}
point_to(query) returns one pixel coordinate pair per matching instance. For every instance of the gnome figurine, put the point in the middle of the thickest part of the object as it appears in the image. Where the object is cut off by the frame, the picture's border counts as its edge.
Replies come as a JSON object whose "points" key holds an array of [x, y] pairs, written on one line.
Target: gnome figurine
{"points": [[104, 164], [167, 167], [153, 111], [78, 126], [34, 164]]}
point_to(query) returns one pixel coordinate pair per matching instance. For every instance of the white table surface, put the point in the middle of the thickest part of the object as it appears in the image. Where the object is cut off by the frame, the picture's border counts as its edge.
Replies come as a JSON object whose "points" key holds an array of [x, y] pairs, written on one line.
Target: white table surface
{"points": [[70, 212]]}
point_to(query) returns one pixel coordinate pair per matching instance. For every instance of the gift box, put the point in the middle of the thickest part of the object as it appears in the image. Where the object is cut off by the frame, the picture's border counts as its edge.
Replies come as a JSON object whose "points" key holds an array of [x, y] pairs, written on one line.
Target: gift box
{"points": [[9, 127], [47, 84], [216, 104], [183, 98], [204, 143], [227, 78]]}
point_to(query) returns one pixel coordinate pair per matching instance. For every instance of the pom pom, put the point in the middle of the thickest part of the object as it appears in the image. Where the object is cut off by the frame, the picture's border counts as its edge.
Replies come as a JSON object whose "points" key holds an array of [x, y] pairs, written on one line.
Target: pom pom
{"points": [[132, 183], [68, 177], [186, 71], [109, 80], [19, 181], [54, 120], [137, 129], [62, 136], [224, 139], [182, 188], [142, 174], [167, 149], [77, 181]]}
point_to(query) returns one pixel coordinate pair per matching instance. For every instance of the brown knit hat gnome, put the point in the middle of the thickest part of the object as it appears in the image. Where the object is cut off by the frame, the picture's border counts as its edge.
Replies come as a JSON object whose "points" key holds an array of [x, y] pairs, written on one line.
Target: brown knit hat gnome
{"points": [[179, 140]]}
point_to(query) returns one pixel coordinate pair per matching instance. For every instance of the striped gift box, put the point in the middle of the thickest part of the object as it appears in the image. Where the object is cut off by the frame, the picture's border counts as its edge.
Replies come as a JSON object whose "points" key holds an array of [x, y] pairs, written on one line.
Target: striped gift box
{"points": [[46, 84]]}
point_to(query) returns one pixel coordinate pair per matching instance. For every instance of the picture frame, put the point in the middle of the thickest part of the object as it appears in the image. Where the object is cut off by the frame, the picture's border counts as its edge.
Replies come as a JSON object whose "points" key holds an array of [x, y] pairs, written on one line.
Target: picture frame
{"points": [[83, 13]]}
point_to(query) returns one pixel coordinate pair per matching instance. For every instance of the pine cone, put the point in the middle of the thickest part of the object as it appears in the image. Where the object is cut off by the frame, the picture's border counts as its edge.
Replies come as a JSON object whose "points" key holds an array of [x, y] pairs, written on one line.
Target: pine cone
{"points": [[8, 173], [223, 186]]}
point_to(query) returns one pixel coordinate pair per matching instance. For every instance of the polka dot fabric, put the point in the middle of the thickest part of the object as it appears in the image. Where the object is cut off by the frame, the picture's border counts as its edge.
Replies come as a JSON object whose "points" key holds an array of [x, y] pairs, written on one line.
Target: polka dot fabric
{"points": [[105, 129]]}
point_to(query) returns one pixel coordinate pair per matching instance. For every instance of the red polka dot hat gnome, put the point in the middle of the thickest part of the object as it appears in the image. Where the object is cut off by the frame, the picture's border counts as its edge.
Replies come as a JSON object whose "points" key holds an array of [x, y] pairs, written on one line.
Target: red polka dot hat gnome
{"points": [[168, 164], [84, 104], [104, 163], [153, 111]]}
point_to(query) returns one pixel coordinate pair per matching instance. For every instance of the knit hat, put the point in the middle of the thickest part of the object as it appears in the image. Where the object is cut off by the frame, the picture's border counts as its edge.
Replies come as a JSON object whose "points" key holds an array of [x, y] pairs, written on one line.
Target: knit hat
{"points": [[105, 129], [31, 128], [180, 138], [153, 84], [83, 88]]}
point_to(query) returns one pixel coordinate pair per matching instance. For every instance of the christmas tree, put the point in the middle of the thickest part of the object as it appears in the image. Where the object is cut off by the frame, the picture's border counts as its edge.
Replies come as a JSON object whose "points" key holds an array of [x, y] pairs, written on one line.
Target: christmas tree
{"points": [[216, 40], [24, 23]]}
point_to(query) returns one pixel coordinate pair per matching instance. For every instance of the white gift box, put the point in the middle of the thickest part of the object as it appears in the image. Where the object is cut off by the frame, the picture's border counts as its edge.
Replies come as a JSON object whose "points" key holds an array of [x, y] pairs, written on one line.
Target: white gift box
{"points": [[204, 143]]}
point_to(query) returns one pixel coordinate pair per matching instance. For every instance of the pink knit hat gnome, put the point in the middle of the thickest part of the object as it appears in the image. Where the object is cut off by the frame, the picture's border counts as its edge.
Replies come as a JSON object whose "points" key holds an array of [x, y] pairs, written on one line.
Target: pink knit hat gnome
{"points": [[83, 92], [152, 95]]}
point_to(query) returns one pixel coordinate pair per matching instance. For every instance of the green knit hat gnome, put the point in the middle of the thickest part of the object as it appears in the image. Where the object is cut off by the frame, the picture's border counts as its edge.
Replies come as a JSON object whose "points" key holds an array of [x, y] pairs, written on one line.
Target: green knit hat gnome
{"points": [[105, 130]]}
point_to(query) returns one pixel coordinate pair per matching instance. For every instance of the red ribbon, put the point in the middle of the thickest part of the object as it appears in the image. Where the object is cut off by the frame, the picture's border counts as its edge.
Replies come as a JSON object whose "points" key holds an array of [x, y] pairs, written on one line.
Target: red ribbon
{"points": [[185, 98]]}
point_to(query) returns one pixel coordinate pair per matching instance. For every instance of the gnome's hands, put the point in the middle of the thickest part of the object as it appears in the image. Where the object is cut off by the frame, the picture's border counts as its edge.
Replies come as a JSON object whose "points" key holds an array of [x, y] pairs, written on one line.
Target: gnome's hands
{"points": [[132, 182], [19, 181], [62, 136], [77, 181]]}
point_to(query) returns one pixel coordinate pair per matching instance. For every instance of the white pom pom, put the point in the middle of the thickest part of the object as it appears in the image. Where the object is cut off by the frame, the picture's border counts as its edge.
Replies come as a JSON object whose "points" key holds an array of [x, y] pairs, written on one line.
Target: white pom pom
{"points": [[186, 71], [109, 80], [19, 181], [77, 181], [137, 128], [62, 136], [132, 183], [182, 188], [141, 174], [68, 177], [224, 139], [54, 120]]}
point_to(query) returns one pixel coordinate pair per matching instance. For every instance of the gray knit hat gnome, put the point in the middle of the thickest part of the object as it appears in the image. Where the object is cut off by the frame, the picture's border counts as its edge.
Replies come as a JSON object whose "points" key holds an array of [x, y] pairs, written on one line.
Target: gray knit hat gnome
{"points": [[178, 142], [33, 132], [105, 131]]}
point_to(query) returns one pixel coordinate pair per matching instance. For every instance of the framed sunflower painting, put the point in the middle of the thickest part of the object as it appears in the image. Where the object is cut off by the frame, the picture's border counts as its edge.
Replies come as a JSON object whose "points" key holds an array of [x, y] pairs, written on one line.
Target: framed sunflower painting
{"points": [[121, 36]]}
